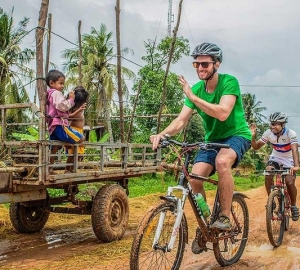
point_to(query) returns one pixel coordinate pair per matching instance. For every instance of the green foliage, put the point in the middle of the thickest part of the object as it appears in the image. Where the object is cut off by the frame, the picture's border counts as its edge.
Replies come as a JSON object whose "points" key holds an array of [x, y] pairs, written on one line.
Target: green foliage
{"points": [[93, 137], [247, 161], [32, 136], [150, 91], [56, 192], [99, 75], [253, 114], [14, 65], [158, 54], [195, 129], [253, 111]]}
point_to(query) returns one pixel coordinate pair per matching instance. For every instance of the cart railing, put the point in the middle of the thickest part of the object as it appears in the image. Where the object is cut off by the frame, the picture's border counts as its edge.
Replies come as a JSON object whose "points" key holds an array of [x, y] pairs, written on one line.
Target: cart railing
{"points": [[24, 164]]}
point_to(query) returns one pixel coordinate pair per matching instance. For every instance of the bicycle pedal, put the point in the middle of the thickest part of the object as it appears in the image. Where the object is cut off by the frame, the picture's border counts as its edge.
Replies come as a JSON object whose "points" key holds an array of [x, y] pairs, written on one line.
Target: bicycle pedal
{"points": [[196, 249]]}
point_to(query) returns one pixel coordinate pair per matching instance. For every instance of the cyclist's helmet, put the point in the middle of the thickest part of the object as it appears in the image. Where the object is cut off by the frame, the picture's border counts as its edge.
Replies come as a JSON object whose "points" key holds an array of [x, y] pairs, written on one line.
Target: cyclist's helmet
{"points": [[278, 117], [208, 49]]}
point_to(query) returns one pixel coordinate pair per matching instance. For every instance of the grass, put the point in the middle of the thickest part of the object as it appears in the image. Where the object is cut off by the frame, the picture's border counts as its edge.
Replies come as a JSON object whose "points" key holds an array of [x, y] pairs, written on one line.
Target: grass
{"points": [[158, 183], [149, 184]]}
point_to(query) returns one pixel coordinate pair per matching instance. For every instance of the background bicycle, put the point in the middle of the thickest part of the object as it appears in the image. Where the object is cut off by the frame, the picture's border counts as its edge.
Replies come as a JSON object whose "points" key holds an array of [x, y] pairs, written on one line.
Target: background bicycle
{"points": [[278, 208], [163, 232]]}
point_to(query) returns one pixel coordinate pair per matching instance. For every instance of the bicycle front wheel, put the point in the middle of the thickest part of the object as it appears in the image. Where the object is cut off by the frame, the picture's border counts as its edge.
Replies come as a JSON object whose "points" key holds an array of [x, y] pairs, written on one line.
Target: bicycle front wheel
{"points": [[230, 245], [275, 218], [145, 254], [287, 207]]}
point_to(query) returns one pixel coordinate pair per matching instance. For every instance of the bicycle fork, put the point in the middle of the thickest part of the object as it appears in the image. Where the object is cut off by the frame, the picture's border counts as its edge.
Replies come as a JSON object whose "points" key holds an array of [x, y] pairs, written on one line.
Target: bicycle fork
{"points": [[178, 212]]}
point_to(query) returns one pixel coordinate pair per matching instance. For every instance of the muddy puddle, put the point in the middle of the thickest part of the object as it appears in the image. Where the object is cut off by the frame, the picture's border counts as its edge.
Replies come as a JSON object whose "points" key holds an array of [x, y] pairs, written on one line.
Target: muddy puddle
{"points": [[26, 245]]}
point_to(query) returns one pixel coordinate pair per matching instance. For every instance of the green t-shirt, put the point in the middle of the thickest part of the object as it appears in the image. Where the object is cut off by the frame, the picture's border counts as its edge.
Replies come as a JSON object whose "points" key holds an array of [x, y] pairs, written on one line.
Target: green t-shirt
{"points": [[235, 124]]}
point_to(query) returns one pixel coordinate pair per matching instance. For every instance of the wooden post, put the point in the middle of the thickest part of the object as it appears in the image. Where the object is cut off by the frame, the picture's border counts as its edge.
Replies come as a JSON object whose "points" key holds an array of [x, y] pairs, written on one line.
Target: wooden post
{"points": [[133, 111], [48, 43], [40, 84], [41, 87], [120, 90], [80, 55], [163, 98]]}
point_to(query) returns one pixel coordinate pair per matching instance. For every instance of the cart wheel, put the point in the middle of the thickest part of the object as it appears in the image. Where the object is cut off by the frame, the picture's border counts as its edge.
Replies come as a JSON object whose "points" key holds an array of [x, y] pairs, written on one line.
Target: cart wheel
{"points": [[110, 213], [29, 217]]}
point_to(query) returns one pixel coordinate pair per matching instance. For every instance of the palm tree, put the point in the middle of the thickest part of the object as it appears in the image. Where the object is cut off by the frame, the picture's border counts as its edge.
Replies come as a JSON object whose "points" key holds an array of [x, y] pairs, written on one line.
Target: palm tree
{"points": [[253, 111], [253, 114], [98, 73], [13, 62]]}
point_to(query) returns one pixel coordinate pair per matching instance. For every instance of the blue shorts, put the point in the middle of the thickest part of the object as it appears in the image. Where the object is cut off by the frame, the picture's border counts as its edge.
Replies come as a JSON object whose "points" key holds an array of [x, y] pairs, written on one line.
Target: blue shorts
{"points": [[66, 134], [237, 143]]}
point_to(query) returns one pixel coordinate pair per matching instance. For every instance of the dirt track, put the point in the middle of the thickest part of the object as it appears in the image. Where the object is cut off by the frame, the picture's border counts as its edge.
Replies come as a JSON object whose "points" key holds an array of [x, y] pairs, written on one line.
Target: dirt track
{"points": [[68, 242]]}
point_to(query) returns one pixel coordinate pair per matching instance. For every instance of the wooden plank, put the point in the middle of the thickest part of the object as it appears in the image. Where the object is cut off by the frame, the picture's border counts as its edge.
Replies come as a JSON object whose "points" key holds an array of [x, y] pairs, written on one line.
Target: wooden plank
{"points": [[26, 196]]}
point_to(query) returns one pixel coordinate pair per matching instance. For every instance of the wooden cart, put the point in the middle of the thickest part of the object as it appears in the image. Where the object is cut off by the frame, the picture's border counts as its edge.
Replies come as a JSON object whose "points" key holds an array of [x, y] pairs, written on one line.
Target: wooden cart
{"points": [[25, 181]]}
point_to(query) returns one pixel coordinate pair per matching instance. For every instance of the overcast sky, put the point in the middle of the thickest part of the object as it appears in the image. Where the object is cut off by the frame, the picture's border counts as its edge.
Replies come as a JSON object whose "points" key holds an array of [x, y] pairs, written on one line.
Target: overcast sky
{"points": [[260, 39]]}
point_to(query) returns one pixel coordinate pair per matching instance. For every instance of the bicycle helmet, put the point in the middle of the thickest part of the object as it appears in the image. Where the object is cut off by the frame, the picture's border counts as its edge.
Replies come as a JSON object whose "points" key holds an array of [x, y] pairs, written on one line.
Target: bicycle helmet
{"points": [[208, 49], [278, 117]]}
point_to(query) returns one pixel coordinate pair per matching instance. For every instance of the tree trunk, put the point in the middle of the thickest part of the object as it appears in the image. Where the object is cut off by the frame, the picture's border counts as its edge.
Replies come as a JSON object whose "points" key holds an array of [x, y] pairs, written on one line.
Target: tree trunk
{"points": [[120, 90]]}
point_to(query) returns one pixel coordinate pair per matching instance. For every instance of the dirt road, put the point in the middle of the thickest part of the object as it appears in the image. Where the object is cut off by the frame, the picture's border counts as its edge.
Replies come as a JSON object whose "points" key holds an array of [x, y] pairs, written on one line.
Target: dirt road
{"points": [[68, 242]]}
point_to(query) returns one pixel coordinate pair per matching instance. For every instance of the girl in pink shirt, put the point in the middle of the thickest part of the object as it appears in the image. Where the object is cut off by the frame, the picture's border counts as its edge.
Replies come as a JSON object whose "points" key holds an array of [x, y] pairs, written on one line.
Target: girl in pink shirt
{"points": [[58, 113]]}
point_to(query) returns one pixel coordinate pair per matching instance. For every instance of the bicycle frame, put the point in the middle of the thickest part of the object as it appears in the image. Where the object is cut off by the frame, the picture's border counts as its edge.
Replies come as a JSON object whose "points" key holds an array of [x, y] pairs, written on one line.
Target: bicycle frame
{"points": [[280, 185], [180, 202]]}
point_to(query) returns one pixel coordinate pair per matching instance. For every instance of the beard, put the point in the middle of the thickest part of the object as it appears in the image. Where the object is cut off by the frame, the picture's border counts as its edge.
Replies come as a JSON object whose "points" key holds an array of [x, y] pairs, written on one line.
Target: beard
{"points": [[207, 76]]}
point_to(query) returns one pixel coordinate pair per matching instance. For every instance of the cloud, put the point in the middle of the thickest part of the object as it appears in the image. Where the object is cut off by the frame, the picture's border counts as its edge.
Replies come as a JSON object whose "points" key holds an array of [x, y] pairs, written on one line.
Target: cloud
{"points": [[274, 77], [260, 39]]}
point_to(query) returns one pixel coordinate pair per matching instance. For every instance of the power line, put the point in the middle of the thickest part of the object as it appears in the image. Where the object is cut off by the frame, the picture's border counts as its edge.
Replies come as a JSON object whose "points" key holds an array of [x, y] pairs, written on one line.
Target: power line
{"points": [[244, 85]]}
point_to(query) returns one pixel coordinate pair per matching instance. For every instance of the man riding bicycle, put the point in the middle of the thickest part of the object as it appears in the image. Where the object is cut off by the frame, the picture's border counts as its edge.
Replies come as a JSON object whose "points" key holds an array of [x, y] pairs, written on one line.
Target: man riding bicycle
{"points": [[217, 98], [285, 153]]}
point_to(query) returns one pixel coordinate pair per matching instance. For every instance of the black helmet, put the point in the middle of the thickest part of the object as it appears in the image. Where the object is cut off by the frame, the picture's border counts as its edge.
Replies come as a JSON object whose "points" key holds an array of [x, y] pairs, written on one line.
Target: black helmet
{"points": [[278, 117], [208, 49]]}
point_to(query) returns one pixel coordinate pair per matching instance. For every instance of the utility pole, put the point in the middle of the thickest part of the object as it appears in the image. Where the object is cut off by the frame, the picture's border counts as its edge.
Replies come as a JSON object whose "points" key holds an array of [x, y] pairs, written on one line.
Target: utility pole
{"points": [[170, 18]]}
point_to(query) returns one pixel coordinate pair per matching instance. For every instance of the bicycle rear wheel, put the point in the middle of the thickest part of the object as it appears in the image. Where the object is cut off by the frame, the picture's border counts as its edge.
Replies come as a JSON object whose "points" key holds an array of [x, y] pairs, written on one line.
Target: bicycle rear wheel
{"points": [[148, 255], [230, 246], [275, 218]]}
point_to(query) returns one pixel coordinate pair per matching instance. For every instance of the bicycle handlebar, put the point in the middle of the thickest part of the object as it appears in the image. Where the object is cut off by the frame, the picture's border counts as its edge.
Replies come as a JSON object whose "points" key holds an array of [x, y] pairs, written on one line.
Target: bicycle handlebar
{"points": [[166, 141], [283, 172]]}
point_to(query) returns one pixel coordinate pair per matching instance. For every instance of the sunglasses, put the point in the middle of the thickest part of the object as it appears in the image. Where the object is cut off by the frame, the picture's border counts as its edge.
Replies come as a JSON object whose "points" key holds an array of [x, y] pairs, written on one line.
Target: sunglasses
{"points": [[203, 64]]}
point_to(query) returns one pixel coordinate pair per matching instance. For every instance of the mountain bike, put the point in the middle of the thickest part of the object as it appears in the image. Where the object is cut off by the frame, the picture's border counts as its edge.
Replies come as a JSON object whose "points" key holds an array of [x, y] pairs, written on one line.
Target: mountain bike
{"points": [[278, 209], [163, 232]]}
